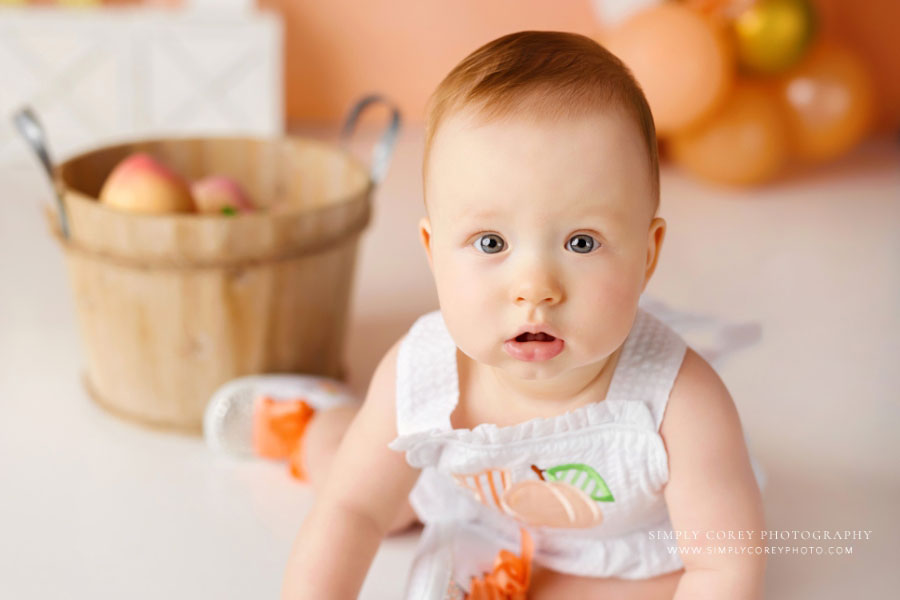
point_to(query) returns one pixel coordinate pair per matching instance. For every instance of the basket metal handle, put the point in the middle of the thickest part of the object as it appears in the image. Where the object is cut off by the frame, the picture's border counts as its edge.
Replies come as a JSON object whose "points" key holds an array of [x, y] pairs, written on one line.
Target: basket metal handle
{"points": [[28, 125], [384, 148]]}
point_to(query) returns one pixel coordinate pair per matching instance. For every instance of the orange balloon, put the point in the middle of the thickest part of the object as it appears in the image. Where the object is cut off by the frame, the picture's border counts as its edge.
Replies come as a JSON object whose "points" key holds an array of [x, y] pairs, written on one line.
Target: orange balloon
{"points": [[681, 59], [743, 143], [830, 103], [725, 8], [870, 29]]}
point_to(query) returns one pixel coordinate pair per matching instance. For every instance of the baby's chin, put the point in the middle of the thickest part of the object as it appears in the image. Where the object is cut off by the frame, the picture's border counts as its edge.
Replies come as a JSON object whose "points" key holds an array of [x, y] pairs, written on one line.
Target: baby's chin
{"points": [[532, 371]]}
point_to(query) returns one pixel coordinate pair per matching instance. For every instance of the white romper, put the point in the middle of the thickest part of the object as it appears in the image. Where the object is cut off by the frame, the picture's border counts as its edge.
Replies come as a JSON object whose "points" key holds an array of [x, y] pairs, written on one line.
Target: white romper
{"points": [[605, 463]]}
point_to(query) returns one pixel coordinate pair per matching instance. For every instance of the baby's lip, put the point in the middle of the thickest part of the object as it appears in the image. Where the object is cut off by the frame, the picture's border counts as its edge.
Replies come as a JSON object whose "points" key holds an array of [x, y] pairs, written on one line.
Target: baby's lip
{"points": [[535, 350], [535, 328]]}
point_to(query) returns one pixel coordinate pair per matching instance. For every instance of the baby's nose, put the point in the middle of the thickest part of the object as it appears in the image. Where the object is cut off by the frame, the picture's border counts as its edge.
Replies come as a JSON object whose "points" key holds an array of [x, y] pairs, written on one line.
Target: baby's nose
{"points": [[538, 289]]}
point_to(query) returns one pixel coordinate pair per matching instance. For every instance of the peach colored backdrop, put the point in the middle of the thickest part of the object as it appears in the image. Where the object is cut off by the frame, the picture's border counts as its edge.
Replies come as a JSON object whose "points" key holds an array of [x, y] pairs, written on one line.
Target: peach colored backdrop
{"points": [[337, 50]]}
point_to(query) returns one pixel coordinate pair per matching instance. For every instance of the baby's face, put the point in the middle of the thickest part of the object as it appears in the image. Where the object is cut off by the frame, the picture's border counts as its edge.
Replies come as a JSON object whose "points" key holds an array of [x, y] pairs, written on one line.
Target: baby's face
{"points": [[549, 224]]}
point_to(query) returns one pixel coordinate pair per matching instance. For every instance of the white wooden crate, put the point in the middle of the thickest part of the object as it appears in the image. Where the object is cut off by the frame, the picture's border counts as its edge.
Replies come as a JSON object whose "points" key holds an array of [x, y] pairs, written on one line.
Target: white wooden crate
{"points": [[96, 77]]}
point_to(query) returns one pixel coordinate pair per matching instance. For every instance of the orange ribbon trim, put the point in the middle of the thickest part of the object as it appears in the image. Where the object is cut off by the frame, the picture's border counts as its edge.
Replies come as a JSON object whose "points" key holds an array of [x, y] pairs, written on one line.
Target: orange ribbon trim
{"points": [[278, 426], [510, 578]]}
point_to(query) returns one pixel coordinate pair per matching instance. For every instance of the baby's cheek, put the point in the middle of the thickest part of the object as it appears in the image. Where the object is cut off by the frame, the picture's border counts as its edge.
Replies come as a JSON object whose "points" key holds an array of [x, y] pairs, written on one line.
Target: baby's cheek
{"points": [[452, 284], [466, 277], [613, 289], [462, 295], [614, 302], [468, 303]]}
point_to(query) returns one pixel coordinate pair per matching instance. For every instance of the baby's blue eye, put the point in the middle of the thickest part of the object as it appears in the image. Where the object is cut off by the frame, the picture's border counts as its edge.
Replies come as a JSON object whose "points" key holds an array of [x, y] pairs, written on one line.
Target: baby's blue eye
{"points": [[490, 243], [582, 243]]}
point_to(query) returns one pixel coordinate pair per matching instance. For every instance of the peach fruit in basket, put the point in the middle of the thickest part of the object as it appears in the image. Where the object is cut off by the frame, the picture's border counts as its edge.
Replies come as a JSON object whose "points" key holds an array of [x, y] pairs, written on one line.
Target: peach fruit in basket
{"points": [[220, 194], [142, 184]]}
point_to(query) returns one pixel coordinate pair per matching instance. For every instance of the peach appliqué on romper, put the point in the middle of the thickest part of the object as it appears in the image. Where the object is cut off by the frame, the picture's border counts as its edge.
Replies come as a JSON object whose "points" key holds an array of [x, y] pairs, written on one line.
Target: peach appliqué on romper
{"points": [[564, 495]]}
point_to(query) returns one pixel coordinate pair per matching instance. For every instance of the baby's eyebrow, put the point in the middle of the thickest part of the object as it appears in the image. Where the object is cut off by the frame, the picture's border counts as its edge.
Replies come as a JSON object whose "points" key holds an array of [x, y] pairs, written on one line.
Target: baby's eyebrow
{"points": [[481, 214], [589, 209], [594, 208]]}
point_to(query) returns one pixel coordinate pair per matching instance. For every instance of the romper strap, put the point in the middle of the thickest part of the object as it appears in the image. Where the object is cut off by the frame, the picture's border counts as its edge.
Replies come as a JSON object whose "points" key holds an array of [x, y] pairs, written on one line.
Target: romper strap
{"points": [[427, 380], [650, 361]]}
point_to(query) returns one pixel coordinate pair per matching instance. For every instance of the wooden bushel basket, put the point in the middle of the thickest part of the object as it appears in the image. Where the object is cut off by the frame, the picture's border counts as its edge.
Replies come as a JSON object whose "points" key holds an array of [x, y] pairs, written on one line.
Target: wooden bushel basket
{"points": [[170, 307]]}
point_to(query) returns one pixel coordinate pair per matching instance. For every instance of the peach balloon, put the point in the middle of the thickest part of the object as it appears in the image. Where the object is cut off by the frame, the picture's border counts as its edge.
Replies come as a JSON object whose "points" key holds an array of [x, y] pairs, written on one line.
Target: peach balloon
{"points": [[725, 8], [682, 60], [218, 194], [551, 504], [743, 143], [870, 29], [142, 184], [830, 103]]}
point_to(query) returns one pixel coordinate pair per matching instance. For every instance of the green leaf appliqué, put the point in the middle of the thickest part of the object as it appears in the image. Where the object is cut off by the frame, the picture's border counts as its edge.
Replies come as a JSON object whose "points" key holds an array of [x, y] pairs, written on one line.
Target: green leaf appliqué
{"points": [[584, 477]]}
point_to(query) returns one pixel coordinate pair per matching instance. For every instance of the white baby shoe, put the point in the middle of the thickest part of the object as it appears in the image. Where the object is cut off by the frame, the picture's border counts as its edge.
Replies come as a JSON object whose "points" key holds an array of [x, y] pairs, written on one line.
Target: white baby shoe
{"points": [[228, 419]]}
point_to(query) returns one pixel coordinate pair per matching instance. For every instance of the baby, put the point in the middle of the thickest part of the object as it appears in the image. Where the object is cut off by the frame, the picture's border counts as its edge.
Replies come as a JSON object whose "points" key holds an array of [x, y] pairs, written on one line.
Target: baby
{"points": [[540, 397]]}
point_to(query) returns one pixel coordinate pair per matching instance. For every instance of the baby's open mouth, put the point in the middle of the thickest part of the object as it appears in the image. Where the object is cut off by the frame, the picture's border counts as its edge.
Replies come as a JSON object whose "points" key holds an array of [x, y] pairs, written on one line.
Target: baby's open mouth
{"points": [[538, 346], [534, 337]]}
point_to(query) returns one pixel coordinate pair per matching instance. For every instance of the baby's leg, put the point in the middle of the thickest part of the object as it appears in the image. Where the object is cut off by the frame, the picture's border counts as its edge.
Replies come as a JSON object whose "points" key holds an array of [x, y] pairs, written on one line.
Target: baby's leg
{"points": [[549, 585], [320, 441]]}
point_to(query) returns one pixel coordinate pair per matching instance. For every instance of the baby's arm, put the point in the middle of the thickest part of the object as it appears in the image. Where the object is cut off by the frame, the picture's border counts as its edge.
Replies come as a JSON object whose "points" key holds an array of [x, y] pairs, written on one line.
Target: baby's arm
{"points": [[711, 487], [367, 485]]}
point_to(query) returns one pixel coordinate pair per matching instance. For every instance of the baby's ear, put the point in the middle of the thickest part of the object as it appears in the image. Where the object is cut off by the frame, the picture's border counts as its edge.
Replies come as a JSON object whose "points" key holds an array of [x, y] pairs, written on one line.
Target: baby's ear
{"points": [[655, 237], [425, 238]]}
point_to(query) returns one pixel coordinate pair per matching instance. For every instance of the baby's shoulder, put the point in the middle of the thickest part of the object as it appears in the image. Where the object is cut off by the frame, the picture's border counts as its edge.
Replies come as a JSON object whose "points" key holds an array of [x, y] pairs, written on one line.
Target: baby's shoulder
{"points": [[698, 399], [695, 374], [383, 382]]}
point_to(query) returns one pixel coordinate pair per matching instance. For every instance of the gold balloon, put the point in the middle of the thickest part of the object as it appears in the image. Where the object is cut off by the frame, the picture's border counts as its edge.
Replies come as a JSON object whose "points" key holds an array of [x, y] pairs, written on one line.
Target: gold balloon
{"points": [[742, 143], [830, 102], [772, 35]]}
